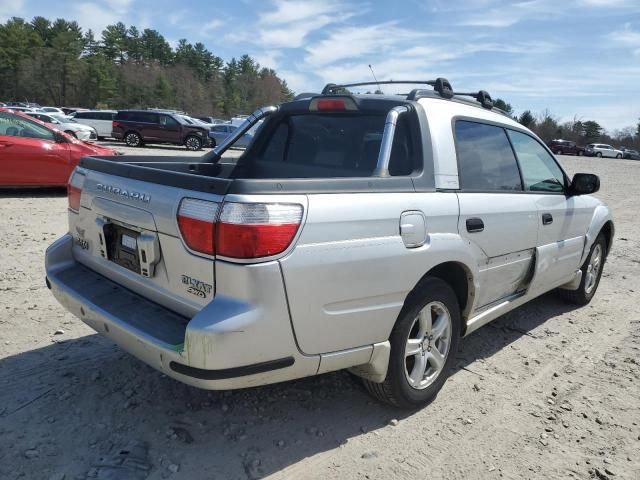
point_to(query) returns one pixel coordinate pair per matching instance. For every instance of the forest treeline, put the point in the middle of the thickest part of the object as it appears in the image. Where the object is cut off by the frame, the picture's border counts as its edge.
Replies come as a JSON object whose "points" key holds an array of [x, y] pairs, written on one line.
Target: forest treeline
{"points": [[58, 63], [548, 127]]}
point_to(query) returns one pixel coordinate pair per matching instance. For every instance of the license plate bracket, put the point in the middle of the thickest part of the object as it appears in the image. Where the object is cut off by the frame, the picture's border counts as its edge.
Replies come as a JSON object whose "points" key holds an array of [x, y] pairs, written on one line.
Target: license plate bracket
{"points": [[122, 246]]}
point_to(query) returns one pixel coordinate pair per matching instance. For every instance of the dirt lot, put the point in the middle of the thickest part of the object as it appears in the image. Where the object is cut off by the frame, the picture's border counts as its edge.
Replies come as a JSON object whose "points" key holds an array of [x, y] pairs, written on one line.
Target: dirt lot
{"points": [[547, 391]]}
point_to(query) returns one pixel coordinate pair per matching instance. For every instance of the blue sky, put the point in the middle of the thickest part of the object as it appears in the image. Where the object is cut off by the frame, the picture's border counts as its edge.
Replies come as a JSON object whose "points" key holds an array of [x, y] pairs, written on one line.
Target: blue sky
{"points": [[575, 57]]}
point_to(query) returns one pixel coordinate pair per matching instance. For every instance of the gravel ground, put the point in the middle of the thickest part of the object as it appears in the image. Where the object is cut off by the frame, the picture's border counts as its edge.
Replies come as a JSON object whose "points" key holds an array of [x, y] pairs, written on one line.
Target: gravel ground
{"points": [[547, 391]]}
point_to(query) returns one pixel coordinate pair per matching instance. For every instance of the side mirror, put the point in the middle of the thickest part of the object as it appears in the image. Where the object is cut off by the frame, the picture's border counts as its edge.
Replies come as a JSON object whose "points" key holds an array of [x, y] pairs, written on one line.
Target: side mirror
{"points": [[59, 138], [585, 183]]}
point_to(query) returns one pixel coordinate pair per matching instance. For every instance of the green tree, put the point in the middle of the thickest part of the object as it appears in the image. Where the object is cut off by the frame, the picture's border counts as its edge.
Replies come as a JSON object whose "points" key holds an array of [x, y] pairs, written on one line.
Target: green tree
{"points": [[527, 119], [115, 42], [504, 106], [592, 130], [18, 40], [56, 63]]}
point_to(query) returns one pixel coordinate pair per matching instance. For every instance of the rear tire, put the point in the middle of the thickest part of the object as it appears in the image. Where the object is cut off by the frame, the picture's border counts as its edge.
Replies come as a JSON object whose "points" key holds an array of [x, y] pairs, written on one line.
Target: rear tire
{"points": [[618, 156], [193, 143], [599, 154], [133, 139], [591, 274], [423, 341]]}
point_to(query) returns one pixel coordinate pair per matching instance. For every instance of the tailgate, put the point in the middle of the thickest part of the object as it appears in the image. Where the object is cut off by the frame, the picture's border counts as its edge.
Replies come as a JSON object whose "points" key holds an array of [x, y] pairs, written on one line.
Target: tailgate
{"points": [[127, 230]]}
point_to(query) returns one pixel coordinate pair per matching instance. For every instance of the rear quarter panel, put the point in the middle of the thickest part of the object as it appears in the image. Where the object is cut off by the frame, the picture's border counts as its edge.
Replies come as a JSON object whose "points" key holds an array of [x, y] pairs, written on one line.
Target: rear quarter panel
{"points": [[350, 272]]}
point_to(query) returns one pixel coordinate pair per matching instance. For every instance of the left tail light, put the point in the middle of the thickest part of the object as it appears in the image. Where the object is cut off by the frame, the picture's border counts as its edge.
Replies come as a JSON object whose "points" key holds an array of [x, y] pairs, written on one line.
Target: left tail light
{"points": [[74, 190], [197, 223]]}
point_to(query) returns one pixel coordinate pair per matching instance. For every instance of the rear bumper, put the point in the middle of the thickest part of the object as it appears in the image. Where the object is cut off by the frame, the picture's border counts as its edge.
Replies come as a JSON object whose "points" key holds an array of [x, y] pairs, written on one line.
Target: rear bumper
{"points": [[231, 343]]}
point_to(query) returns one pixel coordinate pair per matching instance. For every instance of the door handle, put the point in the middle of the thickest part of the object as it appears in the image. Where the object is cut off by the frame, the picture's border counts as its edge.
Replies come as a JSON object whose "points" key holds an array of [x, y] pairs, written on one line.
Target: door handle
{"points": [[547, 219], [475, 225]]}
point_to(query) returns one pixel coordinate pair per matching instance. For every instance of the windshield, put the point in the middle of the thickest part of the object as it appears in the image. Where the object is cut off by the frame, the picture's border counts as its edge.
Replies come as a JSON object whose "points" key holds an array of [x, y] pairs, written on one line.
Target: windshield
{"points": [[62, 119]]}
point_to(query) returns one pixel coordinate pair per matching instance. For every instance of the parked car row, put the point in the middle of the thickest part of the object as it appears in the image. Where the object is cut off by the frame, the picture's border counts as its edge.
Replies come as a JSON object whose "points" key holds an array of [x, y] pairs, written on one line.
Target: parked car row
{"points": [[137, 127], [602, 150], [567, 147], [39, 154]]}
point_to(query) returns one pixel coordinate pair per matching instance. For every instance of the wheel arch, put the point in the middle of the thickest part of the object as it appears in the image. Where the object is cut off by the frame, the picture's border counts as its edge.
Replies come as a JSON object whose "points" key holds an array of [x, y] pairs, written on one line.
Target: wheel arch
{"points": [[609, 231], [460, 278]]}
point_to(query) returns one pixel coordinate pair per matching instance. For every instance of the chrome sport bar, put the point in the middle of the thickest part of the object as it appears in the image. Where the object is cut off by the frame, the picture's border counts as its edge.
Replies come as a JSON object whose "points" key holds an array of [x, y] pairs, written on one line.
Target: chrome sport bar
{"points": [[382, 167]]}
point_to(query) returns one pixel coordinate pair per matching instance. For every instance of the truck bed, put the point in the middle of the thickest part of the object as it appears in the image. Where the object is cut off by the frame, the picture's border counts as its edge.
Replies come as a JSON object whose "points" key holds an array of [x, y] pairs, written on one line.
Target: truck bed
{"points": [[230, 178]]}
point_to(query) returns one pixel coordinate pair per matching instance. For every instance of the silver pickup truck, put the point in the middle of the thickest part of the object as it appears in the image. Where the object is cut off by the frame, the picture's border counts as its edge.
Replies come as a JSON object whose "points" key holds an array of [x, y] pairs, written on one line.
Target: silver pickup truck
{"points": [[368, 232]]}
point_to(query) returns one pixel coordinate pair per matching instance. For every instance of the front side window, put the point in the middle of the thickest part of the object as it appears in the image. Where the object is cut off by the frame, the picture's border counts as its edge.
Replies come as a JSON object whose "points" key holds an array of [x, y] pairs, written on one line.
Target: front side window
{"points": [[14, 126], [540, 171], [485, 158], [167, 121]]}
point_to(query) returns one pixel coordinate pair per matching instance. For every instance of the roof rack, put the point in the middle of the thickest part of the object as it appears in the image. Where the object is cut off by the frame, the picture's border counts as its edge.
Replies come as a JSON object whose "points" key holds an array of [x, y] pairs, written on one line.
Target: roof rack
{"points": [[440, 85]]}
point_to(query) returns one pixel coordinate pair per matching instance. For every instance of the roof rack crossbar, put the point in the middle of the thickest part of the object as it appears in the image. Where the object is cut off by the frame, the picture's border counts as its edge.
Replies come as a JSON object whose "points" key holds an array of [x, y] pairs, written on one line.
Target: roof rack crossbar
{"points": [[332, 87], [440, 85], [481, 96]]}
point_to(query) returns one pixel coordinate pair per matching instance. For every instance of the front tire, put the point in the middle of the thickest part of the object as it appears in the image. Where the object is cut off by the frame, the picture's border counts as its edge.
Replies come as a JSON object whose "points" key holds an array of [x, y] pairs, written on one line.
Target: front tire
{"points": [[591, 274], [423, 341], [193, 143], [72, 133]]}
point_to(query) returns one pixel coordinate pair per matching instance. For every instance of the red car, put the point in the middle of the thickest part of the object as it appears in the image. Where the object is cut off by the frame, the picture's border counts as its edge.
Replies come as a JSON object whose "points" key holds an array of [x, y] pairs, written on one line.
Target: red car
{"points": [[33, 154]]}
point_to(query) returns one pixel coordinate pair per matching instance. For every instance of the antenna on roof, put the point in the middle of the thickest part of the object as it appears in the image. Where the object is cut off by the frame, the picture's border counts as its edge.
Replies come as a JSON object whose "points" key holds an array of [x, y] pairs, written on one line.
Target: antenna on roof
{"points": [[374, 77]]}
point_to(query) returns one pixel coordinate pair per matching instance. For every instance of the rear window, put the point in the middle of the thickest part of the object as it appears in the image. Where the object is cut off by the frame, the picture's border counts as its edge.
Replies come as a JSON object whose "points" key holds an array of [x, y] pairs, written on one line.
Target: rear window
{"points": [[331, 145]]}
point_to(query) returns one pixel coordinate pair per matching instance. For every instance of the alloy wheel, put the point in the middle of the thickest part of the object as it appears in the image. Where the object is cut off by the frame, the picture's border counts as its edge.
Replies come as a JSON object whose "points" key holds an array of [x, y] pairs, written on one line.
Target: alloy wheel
{"points": [[133, 140], [192, 143], [593, 269], [428, 345]]}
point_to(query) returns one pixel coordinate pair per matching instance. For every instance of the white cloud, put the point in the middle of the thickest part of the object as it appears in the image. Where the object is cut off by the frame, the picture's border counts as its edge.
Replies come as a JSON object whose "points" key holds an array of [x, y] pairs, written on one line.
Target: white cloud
{"points": [[267, 58], [363, 42], [609, 3], [289, 25], [209, 28], [96, 17], [11, 9], [507, 15], [299, 82], [626, 38]]}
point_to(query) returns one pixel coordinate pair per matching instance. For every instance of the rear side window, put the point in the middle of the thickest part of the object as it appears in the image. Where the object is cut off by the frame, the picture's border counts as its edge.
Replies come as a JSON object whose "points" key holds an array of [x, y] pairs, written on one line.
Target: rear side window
{"points": [[85, 115], [333, 145], [143, 117], [15, 126], [485, 159]]}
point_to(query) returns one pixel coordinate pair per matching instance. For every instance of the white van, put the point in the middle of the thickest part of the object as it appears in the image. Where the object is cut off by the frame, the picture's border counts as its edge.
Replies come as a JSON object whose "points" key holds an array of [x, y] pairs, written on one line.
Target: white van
{"points": [[101, 120]]}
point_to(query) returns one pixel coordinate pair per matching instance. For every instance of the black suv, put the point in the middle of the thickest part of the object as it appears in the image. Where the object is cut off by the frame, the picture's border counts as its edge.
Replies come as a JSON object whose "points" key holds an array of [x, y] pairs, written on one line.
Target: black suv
{"points": [[565, 147], [137, 127]]}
